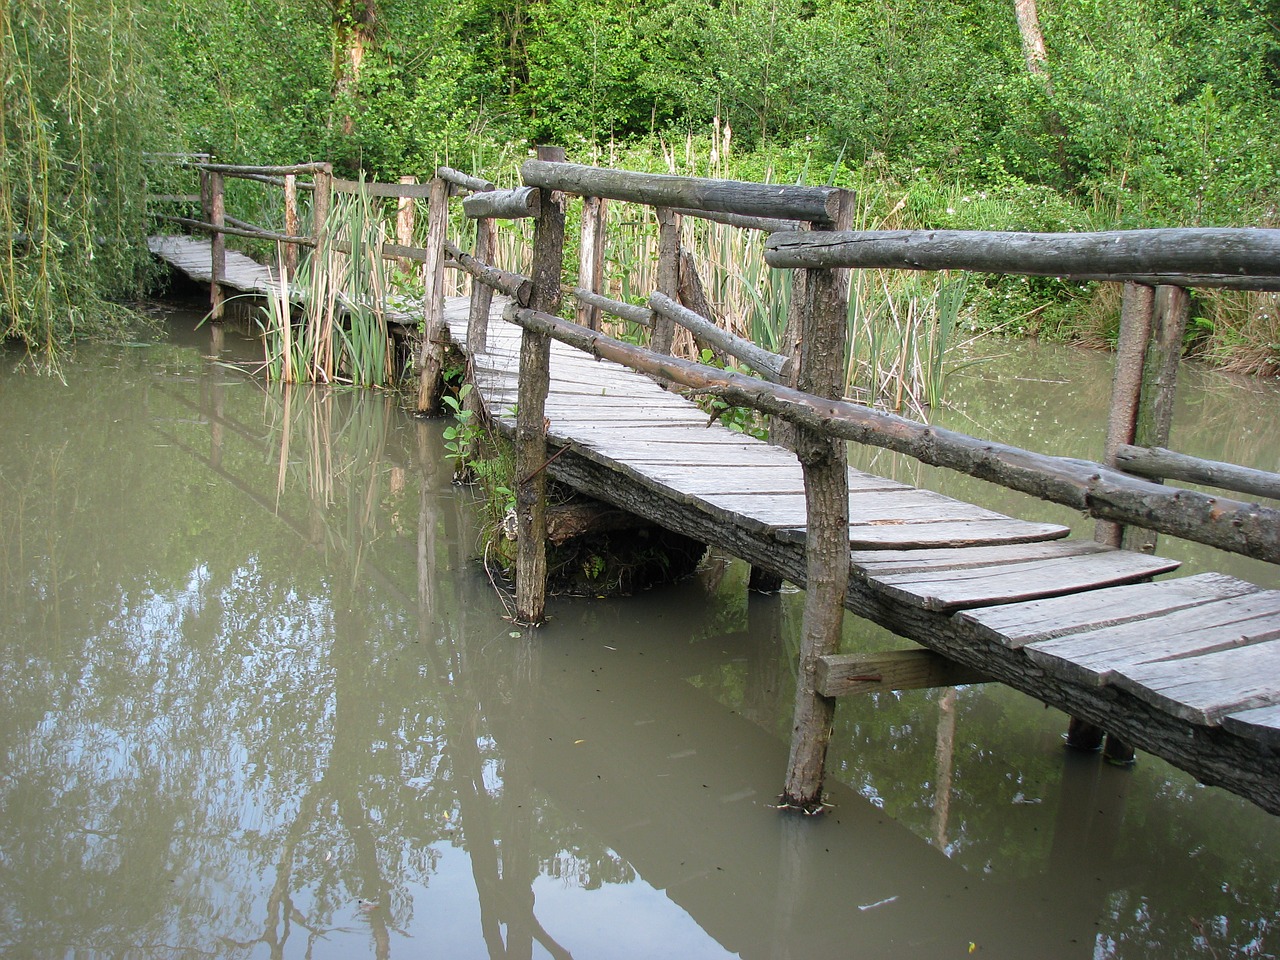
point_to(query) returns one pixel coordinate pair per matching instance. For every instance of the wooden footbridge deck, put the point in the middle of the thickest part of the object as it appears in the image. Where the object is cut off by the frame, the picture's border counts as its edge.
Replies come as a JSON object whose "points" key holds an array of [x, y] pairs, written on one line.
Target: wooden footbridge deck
{"points": [[1186, 668]]}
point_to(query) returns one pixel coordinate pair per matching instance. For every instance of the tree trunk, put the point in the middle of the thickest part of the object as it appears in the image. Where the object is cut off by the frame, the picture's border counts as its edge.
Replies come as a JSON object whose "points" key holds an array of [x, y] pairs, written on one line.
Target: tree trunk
{"points": [[354, 26], [1033, 51]]}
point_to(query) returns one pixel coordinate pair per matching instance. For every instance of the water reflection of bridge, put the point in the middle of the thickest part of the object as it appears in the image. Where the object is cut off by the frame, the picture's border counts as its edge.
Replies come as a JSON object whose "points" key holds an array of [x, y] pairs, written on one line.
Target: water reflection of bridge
{"points": [[617, 739]]}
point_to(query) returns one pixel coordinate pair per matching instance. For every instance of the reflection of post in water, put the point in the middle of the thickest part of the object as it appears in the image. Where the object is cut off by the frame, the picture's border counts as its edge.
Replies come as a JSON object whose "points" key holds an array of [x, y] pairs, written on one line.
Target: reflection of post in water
{"points": [[498, 832], [762, 693], [944, 762], [795, 838]]}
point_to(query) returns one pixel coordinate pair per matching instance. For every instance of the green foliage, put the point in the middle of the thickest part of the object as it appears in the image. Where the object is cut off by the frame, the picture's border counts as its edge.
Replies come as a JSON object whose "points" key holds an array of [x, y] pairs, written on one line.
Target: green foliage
{"points": [[79, 111]]}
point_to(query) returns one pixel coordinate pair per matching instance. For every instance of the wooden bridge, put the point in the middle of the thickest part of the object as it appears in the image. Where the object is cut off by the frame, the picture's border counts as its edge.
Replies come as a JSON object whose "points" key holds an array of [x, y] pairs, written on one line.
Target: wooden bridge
{"points": [[1186, 668]]}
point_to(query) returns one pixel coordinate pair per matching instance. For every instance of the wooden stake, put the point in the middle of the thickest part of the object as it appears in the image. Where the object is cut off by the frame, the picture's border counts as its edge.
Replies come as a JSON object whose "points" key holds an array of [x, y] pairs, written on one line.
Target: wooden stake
{"points": [[218, 266], [405, 212], [826, 484], [431, 356], [664, 330], [291, 223], [481, 293], [591, 258], [531, 424], [1126, 386]]}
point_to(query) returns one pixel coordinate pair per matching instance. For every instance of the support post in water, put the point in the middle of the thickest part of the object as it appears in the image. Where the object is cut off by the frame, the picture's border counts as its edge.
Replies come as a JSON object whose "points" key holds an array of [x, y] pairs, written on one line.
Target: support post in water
{"points": [[218, 248], [591, 258], [826, 485], [531, 424], [431, 356]]}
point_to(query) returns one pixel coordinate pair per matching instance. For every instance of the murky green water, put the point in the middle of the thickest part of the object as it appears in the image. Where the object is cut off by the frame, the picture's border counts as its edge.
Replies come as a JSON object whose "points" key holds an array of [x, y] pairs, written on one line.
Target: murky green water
{"points": [[260, 700]]}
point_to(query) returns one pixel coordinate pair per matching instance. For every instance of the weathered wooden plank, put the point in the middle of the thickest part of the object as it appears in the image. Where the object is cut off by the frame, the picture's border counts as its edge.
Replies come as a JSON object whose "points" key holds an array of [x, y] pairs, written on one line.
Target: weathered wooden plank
{"points": [[846, 674], [1095, 656], [1015, 582], [882, 562], [1206, 688], [1018, 624], [1261, 723]]}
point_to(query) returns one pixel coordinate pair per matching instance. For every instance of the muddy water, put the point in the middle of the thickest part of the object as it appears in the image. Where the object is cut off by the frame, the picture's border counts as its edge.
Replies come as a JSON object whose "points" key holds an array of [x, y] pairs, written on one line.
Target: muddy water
{"points": [[260, 700]]}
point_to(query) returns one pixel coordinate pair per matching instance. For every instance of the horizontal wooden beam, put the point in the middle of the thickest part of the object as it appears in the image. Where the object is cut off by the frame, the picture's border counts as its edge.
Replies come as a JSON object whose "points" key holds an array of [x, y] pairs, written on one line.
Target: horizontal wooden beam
{"points": [[403, 191], [1165, 464], [1102, 492], [517, 287], [616, 308], [236, 170], [1240, 258], [519, 204], [763, 224], [239, 232], [845, 674], [464, 180], [767, 365], [689, 193]]}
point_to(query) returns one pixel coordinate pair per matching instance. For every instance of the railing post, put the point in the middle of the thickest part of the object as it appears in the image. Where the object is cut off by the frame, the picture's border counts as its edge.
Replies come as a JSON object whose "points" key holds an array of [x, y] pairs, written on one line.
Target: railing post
{"points": [[218, 252], [404, 223], [291, 223], [664, 329], [591, 257], [531, 426], [321, 199], [826, 484], [1126, 387], [431, 356], [481, 293]]}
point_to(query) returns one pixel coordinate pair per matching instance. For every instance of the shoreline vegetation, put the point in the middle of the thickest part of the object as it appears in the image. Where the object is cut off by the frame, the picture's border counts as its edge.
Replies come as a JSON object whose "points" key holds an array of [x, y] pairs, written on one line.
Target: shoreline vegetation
{"points": [[945, 115]]}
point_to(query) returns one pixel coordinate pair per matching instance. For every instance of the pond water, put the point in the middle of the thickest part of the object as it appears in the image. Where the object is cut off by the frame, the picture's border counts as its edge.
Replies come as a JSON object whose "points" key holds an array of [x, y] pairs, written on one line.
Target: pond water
{"points": [[261, 700]]}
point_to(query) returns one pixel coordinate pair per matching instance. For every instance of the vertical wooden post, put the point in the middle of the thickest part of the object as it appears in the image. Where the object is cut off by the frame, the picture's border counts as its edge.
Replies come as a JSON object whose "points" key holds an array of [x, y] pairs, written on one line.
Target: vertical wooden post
{"points": [[431, 356], [481, 293], [664, 329], [591, 257], [1126, 387], [291, 223], [218, 264], [826, 485], [404, 224], [321, 199], [1172, 311], [531, 425]]}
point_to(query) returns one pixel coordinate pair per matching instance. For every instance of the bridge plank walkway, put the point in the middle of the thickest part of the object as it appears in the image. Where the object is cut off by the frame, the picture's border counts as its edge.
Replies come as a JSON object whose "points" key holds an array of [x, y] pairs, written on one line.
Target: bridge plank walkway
{"points": [[1187, 668]]}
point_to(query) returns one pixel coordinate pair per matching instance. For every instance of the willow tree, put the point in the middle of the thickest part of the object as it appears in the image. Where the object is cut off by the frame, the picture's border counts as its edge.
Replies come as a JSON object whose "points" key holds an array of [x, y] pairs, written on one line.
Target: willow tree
{"points": [[78, 114]]}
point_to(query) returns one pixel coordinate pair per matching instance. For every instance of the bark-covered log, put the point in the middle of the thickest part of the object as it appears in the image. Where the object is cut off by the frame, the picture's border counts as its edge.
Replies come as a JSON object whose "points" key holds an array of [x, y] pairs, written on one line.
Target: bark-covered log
{"points": [[518, 288], [218, 249], [1243, 528], [519, 204], [1157, 462], [693, 193], [390, 191], [664, 330], [464, 180], [531, 425], [234, 169], [768, 365], [763, 224], [238, 232], [1192, 256], [616, 308], [431, 357], [591, 257], [482, 290]]}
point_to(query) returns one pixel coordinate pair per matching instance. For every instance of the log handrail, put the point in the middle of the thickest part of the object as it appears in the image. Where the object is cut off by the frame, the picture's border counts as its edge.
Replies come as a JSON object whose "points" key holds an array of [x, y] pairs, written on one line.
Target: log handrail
{"points": [[1241, 258], [1092, 488]]}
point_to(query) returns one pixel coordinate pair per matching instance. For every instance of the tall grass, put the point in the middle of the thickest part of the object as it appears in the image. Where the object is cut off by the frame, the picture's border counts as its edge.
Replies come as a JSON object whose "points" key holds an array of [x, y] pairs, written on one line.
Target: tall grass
{"points": [[344, 287]]}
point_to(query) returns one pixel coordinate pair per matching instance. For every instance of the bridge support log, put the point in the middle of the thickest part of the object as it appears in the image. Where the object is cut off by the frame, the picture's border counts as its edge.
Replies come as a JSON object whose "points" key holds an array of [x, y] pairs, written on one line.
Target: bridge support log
{"points": [[826, 485], [531, 425], [434, 335], [591, 258], [218, 265]]}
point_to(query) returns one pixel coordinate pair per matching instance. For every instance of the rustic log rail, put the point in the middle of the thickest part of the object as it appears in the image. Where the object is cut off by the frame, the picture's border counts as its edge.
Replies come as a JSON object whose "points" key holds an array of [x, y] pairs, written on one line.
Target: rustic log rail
{"points": [[987, 603]]}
